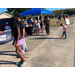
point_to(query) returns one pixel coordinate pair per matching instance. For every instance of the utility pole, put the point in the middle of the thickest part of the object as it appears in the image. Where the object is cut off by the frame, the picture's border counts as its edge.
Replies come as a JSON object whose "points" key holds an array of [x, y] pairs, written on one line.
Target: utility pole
{"points": [[61, 12]]}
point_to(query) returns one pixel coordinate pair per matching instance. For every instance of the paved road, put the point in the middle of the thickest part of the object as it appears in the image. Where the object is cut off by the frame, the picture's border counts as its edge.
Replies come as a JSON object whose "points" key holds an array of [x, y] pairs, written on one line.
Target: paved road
{"points": [[44, 51]]}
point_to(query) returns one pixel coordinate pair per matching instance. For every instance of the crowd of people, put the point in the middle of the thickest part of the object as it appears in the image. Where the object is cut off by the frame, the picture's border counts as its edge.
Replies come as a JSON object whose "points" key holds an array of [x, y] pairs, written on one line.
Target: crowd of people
{"points": [[39, 23], [19, 33]]}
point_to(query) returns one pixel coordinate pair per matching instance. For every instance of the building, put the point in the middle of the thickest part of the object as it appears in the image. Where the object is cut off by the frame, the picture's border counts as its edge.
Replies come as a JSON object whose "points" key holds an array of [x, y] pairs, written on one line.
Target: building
{"points": [[5, 15]]}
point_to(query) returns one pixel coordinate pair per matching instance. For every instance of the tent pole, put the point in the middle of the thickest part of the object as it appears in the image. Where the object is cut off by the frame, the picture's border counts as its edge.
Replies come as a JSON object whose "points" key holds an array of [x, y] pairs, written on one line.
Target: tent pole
{"points": [[54, 19]]}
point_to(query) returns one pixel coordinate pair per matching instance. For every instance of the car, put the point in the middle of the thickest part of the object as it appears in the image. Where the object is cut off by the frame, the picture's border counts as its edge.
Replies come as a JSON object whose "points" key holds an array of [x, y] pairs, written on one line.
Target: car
{"points": [[3, 23]]}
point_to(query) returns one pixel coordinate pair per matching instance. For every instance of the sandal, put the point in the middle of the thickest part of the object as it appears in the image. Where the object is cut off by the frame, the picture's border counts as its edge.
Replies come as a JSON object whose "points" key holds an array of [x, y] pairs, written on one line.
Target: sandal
{"points": [[23, 64]]}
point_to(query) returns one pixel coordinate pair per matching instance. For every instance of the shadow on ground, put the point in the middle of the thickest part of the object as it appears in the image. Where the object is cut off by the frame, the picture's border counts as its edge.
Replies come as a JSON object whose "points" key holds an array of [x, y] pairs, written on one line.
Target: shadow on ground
{"points": [[44, 38], [7, 53], [7, 62]]}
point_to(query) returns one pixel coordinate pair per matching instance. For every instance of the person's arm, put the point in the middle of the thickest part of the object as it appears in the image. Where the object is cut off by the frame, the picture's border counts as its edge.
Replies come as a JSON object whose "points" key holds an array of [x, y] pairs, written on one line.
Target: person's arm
{"points": [[18, 37], [13, 42], [23, 33]]}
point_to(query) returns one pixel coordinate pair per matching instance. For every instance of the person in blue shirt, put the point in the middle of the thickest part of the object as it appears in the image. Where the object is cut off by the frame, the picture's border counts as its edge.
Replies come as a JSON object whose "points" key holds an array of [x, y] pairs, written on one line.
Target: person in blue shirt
{"points": [[29, 21], [7, 27]]}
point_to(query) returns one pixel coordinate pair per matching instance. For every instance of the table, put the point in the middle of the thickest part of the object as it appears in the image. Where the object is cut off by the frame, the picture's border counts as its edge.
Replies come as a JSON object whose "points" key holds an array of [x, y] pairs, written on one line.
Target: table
{"points": [[28, 29], [5, 37]]}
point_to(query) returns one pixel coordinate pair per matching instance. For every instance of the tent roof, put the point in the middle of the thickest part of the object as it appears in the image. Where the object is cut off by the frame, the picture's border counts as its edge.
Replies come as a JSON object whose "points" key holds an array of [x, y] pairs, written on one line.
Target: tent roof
{"points": [[36, 11]]}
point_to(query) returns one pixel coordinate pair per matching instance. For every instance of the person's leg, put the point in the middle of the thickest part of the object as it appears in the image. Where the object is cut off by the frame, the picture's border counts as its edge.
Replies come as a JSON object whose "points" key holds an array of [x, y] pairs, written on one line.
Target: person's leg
{"points": [[23, 46], [62, 35], [42, 28], [26, 48], [65, 34], [36, 31], [19, 52]]}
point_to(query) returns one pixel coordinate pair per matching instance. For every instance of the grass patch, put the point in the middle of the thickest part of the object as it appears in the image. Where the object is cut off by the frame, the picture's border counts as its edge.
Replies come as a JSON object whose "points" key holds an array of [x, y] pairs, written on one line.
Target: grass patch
{"points": [[52, 22]]}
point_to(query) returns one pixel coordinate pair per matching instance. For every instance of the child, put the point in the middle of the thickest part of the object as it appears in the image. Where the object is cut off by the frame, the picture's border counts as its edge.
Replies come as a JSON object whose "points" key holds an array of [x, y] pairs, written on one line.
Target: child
{"points": [[17, 32], [64, 31]]}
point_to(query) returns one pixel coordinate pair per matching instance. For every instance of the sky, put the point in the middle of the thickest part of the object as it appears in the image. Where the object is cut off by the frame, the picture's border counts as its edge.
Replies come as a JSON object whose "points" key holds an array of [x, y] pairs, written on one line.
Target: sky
{"points": [[50, 9]]}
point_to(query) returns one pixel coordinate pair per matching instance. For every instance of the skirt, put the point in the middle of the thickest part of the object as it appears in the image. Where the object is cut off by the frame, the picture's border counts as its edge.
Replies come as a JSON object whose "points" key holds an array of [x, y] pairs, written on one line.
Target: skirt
{"points": [[20, 42]]}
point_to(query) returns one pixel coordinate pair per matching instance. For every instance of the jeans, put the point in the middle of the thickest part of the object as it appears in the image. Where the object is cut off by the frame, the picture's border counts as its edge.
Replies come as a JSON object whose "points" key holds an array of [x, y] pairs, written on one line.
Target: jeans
{"points": [[64, 33], [24, 46]]}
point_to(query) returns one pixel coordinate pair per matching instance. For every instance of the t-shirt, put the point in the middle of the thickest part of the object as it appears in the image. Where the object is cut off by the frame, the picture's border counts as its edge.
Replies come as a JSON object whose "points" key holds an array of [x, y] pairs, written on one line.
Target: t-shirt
{"points": [[29, 21], [64, 28], [47, 22], [7, 28], [37, 22], [22, 24], [16, 33]]}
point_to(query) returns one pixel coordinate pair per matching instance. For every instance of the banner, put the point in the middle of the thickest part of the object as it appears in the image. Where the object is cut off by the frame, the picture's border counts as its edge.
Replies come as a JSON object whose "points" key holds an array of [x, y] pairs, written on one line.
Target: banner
{"points": [[57, 22], [5, 37]]}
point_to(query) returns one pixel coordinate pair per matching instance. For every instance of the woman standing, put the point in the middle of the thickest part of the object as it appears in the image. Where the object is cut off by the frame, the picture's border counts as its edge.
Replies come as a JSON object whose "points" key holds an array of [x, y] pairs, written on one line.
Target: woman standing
{"points": [[17, 32], [37, 23], [47, 23], [41, 24]]}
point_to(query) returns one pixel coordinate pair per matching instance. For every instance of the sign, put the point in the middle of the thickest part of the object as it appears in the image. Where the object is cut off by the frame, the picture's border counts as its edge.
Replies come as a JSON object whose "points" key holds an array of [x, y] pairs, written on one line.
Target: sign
{"points": [[5, 37], [2, 37], [57, 22]]}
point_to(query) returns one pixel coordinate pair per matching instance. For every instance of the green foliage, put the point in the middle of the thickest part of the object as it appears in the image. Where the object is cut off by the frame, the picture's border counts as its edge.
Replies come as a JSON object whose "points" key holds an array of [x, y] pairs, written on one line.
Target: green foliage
{"points": [[18, 10], [66, 11]]}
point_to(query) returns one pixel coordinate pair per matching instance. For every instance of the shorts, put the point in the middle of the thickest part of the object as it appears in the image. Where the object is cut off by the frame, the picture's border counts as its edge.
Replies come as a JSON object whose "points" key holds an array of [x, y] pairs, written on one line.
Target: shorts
{"points": [[20, 42]]}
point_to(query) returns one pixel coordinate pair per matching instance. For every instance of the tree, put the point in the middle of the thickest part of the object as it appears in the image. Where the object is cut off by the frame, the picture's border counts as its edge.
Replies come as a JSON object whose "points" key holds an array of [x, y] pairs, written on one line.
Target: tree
{"points": [[18, 10]]}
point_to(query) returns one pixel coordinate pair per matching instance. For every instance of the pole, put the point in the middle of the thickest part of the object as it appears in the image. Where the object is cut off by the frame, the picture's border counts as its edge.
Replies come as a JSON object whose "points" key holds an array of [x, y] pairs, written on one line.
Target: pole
{"points": [[54, 19]]}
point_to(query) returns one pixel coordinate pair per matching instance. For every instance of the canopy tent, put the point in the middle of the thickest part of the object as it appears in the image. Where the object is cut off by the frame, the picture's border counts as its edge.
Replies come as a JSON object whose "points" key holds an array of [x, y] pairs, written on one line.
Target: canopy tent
{"points": [[35, 11]]}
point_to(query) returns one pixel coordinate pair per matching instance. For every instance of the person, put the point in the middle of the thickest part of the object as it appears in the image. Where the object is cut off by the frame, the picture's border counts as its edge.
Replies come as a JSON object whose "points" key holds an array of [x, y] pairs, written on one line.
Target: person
{"points": [[17, 32], [29, 21], [59, 18], [64, 17], [24, 45], [37, 23], [47, 23], [67, 20], [7, 27], [64, 31], [41, 23]]}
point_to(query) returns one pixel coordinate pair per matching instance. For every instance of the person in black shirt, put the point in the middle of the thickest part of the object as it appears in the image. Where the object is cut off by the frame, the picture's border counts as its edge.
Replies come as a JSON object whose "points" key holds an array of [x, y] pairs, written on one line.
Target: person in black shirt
{"points": [[47, 23], [18, 39], [21, 23]]}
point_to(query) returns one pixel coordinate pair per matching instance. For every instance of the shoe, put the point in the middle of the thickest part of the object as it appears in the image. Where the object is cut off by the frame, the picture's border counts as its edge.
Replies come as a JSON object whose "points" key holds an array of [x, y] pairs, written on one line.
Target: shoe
{"points": [[26, 51], [19, 63], [23, 64], [64, 38]]}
